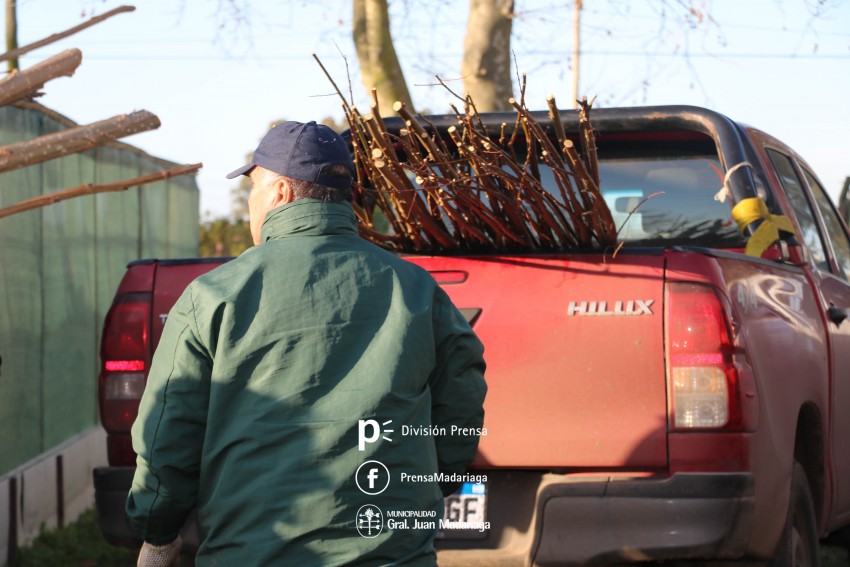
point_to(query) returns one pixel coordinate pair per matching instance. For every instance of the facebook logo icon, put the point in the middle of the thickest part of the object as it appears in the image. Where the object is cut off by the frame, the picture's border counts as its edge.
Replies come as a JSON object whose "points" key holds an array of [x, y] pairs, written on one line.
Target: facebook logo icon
{"points": [[372, 477]]}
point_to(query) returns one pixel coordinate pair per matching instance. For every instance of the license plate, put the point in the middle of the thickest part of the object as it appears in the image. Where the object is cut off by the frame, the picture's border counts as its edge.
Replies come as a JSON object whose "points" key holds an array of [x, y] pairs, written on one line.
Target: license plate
{"points": [[465, 515]]}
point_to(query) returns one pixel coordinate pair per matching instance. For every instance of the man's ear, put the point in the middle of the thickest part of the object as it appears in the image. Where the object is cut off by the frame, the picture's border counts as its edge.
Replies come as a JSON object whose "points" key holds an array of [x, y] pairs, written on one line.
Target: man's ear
{"points": [[283, 194]]}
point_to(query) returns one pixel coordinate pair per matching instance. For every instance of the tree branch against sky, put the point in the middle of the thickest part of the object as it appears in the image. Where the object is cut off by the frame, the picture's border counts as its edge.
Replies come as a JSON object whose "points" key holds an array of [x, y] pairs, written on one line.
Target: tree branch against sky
{"points": [[389, 36], [668, 36], [217, 88]]}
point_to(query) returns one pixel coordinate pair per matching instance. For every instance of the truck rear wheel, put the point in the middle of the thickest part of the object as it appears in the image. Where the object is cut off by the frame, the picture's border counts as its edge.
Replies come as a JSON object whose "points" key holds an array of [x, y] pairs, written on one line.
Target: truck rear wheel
{"points": [[799, 544]]}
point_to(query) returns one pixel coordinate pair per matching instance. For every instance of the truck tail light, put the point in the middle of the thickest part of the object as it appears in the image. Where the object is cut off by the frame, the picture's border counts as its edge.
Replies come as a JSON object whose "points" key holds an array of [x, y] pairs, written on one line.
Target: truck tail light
{"points": [[124, 353], [702, 377]]}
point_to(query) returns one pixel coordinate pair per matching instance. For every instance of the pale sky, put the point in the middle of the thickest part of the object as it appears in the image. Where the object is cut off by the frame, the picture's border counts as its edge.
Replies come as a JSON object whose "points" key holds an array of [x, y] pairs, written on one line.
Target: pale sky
{"points": [[217, 83]]}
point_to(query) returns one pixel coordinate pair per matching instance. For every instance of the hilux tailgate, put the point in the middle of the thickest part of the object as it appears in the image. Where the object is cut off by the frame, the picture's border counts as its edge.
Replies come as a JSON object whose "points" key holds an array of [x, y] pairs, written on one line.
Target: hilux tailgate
{"points": [[575, 357]]}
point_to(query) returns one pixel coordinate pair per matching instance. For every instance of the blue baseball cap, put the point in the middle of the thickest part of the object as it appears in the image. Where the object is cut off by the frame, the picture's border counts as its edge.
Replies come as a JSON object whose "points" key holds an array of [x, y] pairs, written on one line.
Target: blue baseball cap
{"points": [[302, 151]]}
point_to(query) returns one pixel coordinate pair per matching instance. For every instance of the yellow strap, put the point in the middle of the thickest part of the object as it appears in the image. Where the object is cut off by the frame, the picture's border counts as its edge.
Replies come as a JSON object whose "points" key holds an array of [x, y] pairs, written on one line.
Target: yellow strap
{"points": [[750, 210]]}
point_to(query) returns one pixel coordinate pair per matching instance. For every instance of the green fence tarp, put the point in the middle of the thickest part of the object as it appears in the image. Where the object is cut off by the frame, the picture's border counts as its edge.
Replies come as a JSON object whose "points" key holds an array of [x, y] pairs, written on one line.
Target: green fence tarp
{"points": [[59, 268]]}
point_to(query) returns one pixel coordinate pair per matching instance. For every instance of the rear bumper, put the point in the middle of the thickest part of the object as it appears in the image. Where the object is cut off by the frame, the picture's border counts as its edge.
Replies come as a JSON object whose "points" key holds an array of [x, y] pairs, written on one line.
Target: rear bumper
{"points": [[111, 486], [686, 516], [548, 519]]}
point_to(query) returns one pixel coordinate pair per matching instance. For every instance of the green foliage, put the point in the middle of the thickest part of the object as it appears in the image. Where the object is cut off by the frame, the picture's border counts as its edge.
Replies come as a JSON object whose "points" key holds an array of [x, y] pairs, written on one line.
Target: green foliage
{"points": [[224, 237], [77, 545], [337, 125], [80, 545], [239, 196]]}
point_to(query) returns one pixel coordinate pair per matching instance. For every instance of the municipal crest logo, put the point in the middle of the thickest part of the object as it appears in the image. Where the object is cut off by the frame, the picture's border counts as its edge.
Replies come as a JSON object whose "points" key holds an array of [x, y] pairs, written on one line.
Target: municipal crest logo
{"points": [[369, 521]]}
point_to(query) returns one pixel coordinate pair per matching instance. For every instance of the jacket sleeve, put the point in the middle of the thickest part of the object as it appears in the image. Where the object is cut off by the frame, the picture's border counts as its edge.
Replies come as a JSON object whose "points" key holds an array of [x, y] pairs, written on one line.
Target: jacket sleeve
{"points": [[169, 431], [457, 388]]}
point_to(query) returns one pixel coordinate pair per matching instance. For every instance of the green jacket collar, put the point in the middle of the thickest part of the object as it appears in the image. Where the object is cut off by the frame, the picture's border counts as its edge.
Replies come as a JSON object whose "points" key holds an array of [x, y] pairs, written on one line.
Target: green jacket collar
{"points": [[309, 217]]}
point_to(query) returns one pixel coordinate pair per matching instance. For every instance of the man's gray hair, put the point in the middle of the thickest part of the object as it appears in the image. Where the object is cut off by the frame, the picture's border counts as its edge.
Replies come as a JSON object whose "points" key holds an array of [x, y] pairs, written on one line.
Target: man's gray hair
{"points": [[309, 190]]}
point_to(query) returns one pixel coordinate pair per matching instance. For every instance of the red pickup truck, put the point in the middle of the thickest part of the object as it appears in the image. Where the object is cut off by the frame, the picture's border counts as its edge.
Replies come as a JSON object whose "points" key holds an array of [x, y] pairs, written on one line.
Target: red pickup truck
{"points": [[676, 400]]}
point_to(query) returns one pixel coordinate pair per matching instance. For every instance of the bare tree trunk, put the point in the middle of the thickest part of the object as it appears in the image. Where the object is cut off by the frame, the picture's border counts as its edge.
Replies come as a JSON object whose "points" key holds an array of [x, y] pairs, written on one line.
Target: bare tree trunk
{"points": [[379, 66], [486, 66], [74, 140], [25, 83], [12, 33], [577, 8]]}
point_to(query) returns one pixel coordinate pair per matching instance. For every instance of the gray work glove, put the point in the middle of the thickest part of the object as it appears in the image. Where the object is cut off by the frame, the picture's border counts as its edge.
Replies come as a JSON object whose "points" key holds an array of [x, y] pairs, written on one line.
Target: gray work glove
{"points": [[159, 555]]}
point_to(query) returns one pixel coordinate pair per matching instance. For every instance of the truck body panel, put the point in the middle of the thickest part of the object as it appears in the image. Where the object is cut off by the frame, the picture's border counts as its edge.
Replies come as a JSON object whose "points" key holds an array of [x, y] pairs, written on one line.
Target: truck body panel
{"points": [[536, 313], [172, 280]]}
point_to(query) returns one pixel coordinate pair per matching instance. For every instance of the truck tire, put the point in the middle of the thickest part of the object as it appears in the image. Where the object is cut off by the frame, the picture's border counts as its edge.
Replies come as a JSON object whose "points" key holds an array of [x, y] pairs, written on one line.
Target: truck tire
{"points": [[799, 544]]}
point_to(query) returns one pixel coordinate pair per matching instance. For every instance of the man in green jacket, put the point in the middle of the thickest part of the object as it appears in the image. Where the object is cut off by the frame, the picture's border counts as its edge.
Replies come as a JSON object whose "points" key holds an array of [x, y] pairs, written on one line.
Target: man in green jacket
{"points": [[284, 381]]}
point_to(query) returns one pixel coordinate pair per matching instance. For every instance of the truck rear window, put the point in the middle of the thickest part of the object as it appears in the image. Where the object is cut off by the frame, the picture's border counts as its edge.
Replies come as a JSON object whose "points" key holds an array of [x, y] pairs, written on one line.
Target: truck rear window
{"points": [[660, 188], [664, 195], [667, 200]]}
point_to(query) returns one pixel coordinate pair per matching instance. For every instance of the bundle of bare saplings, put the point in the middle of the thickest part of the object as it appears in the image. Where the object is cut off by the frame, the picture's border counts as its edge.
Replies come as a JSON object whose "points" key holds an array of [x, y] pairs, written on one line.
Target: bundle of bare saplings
{"points": [[478, 191]]}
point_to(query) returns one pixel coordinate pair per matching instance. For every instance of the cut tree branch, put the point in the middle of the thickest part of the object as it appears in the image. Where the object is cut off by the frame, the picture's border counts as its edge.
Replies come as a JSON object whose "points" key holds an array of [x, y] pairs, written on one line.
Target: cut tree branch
{"points": [[62, 35], [25, 83], [89, 189], [75, 140]]}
